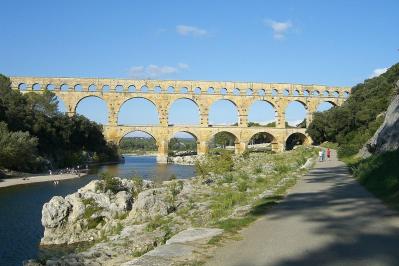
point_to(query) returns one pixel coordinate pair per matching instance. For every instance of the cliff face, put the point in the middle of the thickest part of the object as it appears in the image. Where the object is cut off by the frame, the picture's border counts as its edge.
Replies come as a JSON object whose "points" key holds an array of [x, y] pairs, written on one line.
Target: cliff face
{"points": [[386, 138]]}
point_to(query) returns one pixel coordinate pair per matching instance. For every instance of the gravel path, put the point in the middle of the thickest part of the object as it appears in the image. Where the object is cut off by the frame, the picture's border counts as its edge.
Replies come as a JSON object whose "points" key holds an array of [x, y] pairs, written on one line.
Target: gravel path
{"points": [[326, 219]]}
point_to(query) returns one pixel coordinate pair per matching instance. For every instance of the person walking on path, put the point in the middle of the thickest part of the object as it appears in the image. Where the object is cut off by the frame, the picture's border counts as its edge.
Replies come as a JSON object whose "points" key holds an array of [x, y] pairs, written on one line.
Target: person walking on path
{"points": [[328, 153], [320, 156]]}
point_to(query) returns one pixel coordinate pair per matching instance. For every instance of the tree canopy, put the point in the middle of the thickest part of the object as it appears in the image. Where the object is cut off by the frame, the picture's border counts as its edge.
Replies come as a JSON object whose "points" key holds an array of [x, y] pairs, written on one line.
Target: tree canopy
{"points": [[46, 138], [353, 123]]}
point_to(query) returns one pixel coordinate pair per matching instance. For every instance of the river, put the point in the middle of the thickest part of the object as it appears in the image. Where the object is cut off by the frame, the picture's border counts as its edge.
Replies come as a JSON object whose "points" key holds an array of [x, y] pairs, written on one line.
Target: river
{"points": [[21, 206]]}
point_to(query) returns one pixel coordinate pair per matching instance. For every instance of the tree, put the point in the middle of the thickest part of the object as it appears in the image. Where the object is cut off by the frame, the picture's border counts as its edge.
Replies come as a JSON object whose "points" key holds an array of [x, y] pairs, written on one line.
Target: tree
{"points": [[18, 150], [224, 139]]}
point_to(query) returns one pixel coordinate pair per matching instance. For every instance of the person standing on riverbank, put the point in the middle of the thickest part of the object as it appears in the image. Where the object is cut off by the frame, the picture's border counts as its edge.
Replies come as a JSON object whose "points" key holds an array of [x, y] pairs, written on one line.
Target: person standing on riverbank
{"points": [[328, 153], [320, 156]]}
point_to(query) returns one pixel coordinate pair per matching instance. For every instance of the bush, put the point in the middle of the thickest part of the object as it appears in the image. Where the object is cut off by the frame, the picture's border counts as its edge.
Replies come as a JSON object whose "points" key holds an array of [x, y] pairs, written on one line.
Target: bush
{"points": [[137, 185], [108, 182], [218, 164], [18, 150]]}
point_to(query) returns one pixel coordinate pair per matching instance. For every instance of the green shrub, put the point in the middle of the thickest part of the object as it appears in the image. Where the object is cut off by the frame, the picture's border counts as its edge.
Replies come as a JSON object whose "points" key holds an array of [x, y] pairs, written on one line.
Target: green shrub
{"points": [[242, 186], [137, 185], [108, 182], [218, 164]]}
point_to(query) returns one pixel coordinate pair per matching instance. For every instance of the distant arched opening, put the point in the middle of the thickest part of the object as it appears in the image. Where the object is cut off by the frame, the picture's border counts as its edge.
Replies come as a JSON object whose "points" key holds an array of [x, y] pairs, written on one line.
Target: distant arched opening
{"points": [[295, 139], [262, 113], [36, 87], [61, 107], [184, 112], [138, 111], [223, 112], [222, 141], [138, 142], [295, 114], [324, 106], [94, 108], [182, 143], [261, 142]]}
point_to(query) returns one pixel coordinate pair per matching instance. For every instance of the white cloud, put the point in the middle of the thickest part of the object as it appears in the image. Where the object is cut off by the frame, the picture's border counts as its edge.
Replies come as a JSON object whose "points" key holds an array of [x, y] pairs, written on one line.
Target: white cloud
{"points": [[154, 71], [279, 28], [186, 30], [182, 66], [378, 71]]}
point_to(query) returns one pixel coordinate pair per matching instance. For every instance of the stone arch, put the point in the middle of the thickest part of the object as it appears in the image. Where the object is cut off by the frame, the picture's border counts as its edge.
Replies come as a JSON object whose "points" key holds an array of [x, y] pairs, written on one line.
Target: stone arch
{"points": [[152, 112], [262, 141], [255, 112], [92, 87], [296, 139], [78, 87], [224, 139], [61, 105], [186, 113], [96, 110], [50, 87], [135, 145], [22, 86], [236, 91], [325, 105], [294, 114], [36, 87], [64, 87], [186, 146], [217, 114]]}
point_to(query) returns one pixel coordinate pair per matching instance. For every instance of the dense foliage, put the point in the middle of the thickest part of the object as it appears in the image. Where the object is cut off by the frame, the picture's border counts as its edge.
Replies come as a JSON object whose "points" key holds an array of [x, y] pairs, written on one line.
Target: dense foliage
{"points": [[352, 124], [35, 136], [137, 144]]}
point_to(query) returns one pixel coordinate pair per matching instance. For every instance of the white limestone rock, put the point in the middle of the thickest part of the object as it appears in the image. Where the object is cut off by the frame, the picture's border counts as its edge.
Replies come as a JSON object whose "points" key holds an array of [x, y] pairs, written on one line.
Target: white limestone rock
{"points": [[150, 204]]}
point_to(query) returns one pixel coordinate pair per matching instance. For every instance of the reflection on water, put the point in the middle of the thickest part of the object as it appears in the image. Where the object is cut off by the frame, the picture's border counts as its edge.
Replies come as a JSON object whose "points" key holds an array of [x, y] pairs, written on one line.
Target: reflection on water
{"points": [[20, 206]]}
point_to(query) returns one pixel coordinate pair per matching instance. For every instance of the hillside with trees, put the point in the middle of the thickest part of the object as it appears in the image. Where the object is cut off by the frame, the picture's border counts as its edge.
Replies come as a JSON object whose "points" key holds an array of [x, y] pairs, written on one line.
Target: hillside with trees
{"points": [[355, 122], [35, 136]]}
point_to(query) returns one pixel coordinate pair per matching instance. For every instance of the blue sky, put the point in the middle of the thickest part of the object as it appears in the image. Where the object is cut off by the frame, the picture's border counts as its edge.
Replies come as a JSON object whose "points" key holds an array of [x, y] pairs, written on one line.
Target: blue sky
{"points": [[332, 43]]}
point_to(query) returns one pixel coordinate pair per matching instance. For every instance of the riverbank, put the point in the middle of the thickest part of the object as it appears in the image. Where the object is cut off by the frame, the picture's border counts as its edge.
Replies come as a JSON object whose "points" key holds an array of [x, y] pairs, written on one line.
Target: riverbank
{"points": [[132, 217], [15, 181]]}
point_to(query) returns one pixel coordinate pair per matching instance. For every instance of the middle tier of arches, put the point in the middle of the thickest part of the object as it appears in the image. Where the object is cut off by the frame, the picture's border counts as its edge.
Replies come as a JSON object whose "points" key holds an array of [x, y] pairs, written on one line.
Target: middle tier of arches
{"points": [[162, 107]]}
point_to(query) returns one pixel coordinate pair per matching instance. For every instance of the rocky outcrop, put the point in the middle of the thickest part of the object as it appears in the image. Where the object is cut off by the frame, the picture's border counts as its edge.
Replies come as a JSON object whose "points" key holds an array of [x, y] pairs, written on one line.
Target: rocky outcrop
{"points": [[86, 214], [386, 138], [151, 203], [184, 160]]}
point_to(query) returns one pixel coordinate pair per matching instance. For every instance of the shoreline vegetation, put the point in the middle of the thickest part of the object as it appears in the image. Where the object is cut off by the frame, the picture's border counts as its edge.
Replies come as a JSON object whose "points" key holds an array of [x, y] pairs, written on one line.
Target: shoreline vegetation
{"points": [[229, 192], [35, 137]]}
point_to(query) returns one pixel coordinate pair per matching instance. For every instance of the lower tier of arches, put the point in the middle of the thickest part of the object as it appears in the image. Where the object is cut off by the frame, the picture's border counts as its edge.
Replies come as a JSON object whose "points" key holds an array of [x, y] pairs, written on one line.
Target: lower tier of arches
{"points": [[242, 138]]}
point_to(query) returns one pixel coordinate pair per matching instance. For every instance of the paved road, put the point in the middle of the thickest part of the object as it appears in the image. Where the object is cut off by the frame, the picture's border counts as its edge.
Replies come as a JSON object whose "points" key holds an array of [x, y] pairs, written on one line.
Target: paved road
{"points": [[326, 219]]}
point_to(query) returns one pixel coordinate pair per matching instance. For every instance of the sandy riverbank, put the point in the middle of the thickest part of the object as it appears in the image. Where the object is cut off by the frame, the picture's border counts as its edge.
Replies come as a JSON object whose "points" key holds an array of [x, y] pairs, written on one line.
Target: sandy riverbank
{"points": [[7, 182]]}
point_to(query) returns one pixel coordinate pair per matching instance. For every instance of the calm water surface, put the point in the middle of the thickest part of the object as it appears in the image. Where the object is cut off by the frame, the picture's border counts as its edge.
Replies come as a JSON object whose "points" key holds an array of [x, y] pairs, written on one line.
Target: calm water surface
{"points": [[21, 206]]}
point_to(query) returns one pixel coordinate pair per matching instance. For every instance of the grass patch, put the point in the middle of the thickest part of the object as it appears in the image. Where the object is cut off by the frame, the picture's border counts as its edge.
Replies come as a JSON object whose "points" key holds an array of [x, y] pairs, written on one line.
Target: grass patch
{"points": [[233, 225], [224, 201], [380, 175]]}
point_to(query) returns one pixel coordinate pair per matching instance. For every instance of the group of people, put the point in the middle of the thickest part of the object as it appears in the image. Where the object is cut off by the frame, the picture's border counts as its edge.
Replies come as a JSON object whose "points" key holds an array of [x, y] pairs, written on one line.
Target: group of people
{"points": [[324, 154], [67, 170]]}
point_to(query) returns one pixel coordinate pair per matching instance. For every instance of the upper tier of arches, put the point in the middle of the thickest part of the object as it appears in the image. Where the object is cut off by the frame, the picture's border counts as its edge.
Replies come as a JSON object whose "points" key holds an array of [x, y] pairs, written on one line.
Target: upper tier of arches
{"points": [[181, 87]]}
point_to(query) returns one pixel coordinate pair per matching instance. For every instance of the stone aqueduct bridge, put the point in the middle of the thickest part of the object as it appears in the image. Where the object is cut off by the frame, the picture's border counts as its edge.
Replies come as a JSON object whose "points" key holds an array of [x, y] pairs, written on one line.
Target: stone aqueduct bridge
{"points": [[162, 94]]}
